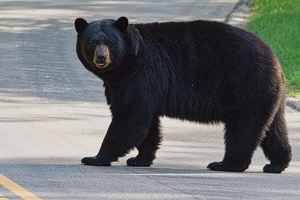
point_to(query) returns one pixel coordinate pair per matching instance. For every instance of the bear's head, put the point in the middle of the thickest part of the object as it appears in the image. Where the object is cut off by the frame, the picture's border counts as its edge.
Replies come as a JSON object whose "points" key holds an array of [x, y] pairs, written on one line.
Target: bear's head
{"points": [[105, 44]]}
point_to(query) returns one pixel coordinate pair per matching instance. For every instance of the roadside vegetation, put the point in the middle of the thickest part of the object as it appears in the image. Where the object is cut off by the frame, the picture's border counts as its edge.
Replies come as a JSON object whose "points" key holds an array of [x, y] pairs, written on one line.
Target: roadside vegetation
{"points": [[277, 22]]}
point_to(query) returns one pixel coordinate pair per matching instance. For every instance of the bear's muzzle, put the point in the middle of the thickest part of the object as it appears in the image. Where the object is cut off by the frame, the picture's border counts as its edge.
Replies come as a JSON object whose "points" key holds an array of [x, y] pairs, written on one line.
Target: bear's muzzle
{"points": [[101, 57]]}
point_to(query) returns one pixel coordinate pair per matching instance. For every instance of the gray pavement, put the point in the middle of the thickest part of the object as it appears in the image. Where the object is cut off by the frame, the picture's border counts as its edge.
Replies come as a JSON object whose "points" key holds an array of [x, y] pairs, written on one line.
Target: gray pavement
{"points": [[53, 113]]}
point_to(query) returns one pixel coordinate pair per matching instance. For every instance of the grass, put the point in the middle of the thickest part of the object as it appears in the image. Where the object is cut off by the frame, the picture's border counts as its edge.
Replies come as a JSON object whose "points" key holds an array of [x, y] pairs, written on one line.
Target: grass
{"points": [[277, 22]]}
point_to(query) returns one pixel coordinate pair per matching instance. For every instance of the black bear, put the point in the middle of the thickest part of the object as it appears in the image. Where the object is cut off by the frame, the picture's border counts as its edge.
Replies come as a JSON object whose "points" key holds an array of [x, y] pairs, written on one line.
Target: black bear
{"points": [[202, 71]]}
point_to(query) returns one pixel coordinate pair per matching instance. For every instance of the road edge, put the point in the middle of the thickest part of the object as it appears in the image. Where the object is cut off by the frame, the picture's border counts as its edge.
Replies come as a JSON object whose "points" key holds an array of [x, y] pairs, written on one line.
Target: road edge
{"points": [[240, 14], [239, 17]]}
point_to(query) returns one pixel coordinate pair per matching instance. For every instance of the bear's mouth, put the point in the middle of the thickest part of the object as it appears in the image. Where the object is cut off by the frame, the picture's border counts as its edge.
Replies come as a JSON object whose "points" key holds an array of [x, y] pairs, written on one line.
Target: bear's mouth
{"points": [[101, 65]]}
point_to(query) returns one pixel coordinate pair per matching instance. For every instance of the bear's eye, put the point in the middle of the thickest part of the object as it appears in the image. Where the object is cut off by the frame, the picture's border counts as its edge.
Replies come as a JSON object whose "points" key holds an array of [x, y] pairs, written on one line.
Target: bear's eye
{"points": [[109, 43], [93, 43]]}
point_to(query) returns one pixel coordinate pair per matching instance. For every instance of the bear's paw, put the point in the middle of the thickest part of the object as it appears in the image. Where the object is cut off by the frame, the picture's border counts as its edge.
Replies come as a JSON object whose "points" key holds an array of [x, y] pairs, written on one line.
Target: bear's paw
{"points": [[269, 168], [95, 161], [138, 162], [221, 166]]}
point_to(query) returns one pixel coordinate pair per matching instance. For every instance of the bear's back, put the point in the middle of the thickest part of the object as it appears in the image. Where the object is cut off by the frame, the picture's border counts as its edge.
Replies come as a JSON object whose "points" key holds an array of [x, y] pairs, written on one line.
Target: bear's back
{"points": [[203, 42]]}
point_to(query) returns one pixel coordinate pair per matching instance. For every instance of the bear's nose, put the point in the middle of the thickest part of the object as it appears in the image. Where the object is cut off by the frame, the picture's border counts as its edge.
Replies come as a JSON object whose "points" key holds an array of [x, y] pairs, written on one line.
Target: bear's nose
{"points": [[101, 58]]}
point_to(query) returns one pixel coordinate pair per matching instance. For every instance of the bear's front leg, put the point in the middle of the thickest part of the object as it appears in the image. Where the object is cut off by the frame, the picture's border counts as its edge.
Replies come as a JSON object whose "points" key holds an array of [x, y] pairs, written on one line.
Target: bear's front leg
{"points": [[125, 132], [148, 148]]}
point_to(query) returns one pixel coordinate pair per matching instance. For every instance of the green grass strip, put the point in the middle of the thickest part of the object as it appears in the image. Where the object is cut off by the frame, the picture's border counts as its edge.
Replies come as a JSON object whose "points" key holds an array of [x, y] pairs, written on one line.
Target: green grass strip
{"points": [[277, 22]]}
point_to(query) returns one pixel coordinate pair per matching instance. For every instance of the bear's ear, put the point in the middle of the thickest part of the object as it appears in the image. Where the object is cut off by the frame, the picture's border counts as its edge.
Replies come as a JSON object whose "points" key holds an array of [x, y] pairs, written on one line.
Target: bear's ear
{"points": [[80, 25], [122, 24]]}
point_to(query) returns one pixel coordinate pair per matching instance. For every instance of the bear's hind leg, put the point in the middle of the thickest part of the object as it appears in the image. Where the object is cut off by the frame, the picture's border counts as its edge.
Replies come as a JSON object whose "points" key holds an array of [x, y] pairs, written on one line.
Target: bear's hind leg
{"points": [[148, 148], [276, 146], [242, 137]]}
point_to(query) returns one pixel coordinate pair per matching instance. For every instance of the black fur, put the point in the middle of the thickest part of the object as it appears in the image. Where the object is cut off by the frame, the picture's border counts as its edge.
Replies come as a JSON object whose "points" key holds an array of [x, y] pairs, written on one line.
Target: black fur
{"points": [[200, 71]]}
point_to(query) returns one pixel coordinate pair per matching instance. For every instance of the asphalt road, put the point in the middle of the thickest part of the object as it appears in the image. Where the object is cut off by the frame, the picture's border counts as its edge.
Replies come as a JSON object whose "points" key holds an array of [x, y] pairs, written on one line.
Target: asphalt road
{"points": [[53, 113]]}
